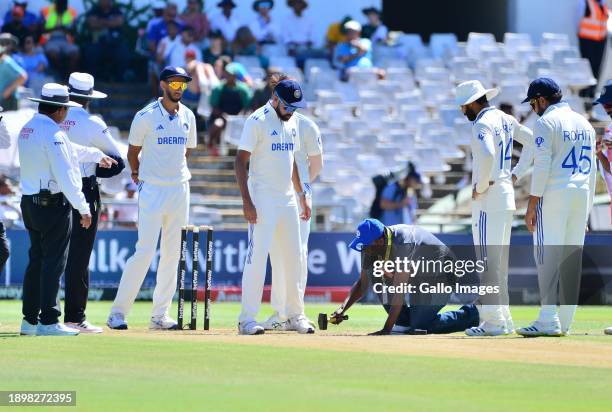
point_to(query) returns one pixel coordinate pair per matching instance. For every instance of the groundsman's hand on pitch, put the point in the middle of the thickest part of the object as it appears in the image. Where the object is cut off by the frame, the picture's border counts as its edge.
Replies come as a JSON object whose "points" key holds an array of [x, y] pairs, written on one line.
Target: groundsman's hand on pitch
{"points": [[250, 213], [336, 318], [380, 333]]}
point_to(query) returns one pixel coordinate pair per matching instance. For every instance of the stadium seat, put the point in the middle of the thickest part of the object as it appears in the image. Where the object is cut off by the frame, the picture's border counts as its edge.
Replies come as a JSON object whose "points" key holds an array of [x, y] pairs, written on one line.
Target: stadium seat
{"points": [[515, 41], [448, 114], [559, 55], [430, 161], [413, 47], [273, 50], [463, 132], [408, 98], [443, 45], [281, 61], [248, 61], [476, 41]]}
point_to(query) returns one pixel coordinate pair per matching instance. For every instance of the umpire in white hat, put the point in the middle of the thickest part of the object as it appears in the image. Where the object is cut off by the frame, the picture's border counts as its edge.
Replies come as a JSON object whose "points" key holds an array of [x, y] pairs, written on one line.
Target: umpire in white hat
{"points": [[51, 187], [90, 131]]}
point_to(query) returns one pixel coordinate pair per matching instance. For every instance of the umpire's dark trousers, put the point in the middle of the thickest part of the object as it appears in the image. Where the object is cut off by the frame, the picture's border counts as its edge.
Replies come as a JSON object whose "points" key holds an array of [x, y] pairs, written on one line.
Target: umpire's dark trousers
{"points": [[76, 279], [49, 230]]}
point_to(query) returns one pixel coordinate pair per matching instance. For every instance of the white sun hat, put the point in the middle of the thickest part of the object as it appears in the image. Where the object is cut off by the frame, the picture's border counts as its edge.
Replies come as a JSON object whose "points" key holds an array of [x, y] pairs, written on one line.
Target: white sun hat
{"points": [[56, 94], [472, 90], [82, 85], [352, 25]]}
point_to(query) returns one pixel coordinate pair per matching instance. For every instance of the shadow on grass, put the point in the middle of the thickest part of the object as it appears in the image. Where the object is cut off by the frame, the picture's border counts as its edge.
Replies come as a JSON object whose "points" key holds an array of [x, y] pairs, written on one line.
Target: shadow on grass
{"points": [[9, 335]]}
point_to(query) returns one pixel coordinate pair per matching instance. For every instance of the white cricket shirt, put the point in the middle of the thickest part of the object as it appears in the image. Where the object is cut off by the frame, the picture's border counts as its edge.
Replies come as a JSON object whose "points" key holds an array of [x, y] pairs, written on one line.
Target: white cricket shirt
{"points": [[310, 145], [164, 139]]}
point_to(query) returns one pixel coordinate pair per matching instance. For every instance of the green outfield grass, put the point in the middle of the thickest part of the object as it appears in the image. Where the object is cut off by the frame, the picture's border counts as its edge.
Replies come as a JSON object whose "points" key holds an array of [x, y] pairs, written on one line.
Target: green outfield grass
{"points": [[141, 370]]}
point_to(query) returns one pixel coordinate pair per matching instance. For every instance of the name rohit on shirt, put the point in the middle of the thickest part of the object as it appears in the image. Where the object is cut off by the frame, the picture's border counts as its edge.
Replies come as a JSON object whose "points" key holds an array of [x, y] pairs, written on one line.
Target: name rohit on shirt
{"points": [[172, 140], [282, 147], [576, 135]]}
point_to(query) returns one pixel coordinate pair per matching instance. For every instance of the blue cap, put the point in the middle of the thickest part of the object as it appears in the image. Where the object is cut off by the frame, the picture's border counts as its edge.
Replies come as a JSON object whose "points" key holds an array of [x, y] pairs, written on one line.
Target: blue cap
{"points": [[542, 86], [174, 71], [290, 92], [606, 94], [367, 232]]}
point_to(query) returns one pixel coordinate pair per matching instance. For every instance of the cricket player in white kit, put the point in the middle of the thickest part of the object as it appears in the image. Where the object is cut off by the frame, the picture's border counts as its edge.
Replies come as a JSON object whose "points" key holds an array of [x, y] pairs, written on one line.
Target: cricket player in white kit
{"points": [[163, 133], [309, 161], [269, 140], [562, 190], [493, 205]]}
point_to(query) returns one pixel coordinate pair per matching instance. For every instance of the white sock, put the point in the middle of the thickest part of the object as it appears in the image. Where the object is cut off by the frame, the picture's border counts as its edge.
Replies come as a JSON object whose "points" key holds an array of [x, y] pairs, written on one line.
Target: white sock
{"points": [[566, 316], [548, 314]]}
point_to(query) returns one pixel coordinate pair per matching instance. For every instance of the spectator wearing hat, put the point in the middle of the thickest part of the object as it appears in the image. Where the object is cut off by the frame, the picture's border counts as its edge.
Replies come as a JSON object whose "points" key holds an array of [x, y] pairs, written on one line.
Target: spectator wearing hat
{"points": [[51, 187], [355, 51], [58, 38], [30, 20], [336, 34], [399, 200], [107, 54], [194, 17], [560, 201], [240, 71], [265, 30], [90, 131], [374, 29], [230, 97], [11, 77], [16, 25], [172, 49], [298, 33], [226, 21], [35, 63]]}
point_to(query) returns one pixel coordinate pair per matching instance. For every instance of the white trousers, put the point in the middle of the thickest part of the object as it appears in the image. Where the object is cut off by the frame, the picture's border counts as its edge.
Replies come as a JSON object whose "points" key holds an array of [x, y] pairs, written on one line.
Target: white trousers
{"points": [[561, 218], [276, 233], [277, 298], [491, 234], [164, 208]]}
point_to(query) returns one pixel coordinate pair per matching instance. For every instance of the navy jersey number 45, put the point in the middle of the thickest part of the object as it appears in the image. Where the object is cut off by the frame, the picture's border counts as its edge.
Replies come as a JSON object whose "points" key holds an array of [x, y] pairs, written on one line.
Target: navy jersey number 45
{"points": [[577, 163]]}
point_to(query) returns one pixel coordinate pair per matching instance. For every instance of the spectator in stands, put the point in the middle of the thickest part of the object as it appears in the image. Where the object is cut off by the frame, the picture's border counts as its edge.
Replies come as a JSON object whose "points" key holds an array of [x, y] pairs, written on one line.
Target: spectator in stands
{"points": [[156, 31], [374, 30], [216, 48], [263, 27], [226, 22], [245, 44], [11, 77], [264, 93], [241, 72], [399, 201], [194, 17], [9, 210], [107, 54], [298, 30], [336, 34], [592, 25], [30, 20], [35, 63], [16, 25], [59, 28], [197, 95], [172, 49], [355, 52], [230, 97], [126, 215]]}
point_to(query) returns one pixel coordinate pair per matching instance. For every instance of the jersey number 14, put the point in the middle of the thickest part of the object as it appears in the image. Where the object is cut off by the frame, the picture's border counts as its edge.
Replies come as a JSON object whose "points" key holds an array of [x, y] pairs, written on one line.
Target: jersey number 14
{"points": [[570, 160], [504, 154]]}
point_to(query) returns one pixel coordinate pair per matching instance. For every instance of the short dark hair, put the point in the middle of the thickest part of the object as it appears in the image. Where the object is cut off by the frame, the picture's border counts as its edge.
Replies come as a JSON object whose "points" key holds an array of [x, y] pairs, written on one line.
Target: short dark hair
{"points": [[555, 98], [47, 108], [482, 100]]}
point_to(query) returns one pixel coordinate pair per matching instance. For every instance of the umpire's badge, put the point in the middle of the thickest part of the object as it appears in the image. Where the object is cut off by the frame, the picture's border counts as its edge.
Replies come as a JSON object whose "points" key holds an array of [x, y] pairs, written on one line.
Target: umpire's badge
{"points": [[539, 140], [297, 94], [293, 132], [186, 127]]}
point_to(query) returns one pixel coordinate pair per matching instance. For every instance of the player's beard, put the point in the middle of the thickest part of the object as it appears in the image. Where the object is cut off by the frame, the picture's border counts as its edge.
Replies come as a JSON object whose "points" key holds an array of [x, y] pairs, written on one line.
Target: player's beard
{"points": [[284, 117], [174, 99], [470, 114]]}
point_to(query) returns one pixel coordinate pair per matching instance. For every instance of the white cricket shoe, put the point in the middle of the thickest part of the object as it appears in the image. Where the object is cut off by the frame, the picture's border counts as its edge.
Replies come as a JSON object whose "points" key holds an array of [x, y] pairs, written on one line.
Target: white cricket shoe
{"points": [[274, 322], [27, 329], [164, 322], [486, 329], [608, 331], [400, 330], [56, 329], [510, 326], [84, 327], [116, 321], [250, 328], [301, 324], [538, 328]]}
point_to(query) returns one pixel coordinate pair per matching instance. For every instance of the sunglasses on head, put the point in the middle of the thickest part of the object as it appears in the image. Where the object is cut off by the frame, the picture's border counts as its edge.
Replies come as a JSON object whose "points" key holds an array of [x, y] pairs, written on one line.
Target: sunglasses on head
{"points": [[287, 107], [178, 85]]}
